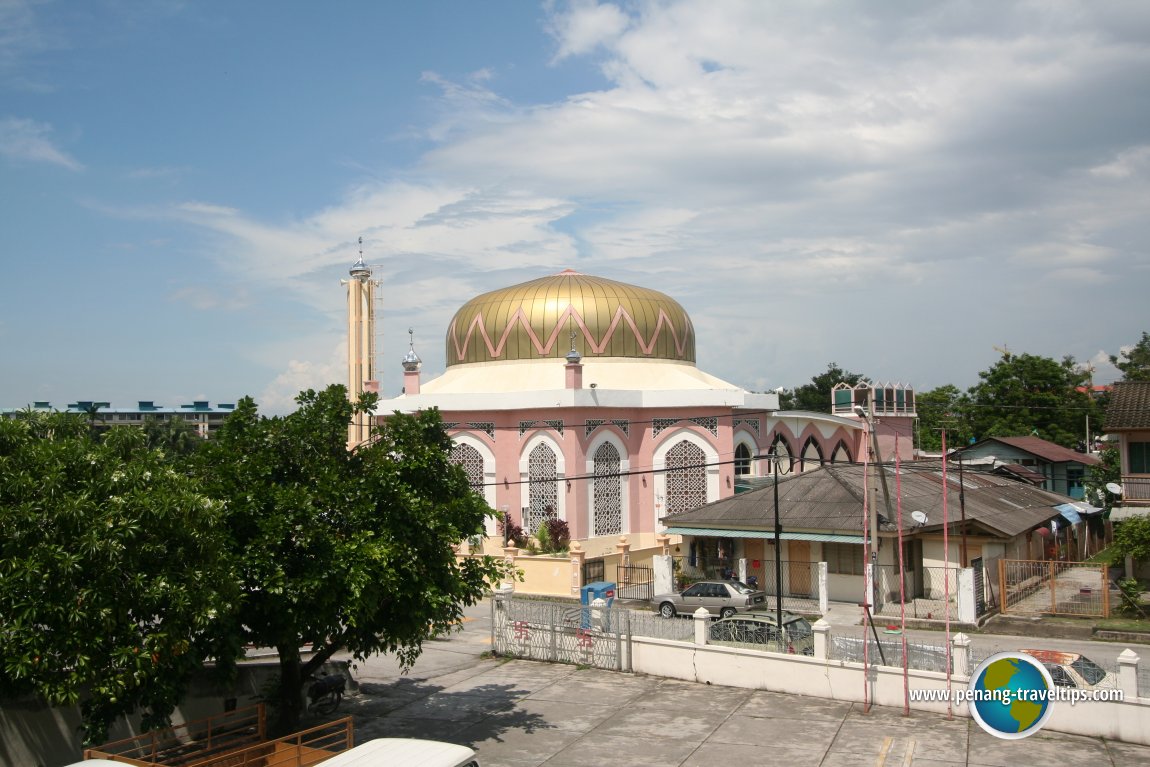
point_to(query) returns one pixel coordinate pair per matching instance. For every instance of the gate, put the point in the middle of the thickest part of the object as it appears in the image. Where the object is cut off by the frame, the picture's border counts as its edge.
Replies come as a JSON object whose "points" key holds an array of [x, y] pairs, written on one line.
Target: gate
{"points": [[1054, 588], [800, 584], [634, 582], [559, 633], [594, 570]]}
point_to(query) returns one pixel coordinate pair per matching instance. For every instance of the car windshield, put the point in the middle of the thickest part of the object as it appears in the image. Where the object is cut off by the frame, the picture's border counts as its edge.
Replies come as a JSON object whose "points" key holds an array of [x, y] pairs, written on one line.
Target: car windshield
{"points": [[740, 587], [1090, 671], [800, 627]]}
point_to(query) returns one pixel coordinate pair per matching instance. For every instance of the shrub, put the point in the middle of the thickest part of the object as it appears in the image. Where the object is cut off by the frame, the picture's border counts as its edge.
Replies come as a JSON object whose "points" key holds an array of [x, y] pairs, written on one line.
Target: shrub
{"points": [[558, 534]]}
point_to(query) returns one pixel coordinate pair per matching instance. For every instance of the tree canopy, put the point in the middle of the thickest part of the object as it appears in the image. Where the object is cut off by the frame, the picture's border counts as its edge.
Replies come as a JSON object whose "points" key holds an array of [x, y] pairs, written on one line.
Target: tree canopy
{"points": [[816, 395], [1134, 363], [116, 583], [1024, 394], [343, 549]]}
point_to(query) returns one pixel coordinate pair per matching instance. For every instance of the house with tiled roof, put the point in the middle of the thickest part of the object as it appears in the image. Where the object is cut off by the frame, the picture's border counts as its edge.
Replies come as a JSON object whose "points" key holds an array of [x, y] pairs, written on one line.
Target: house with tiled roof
{"points": [[1061, 469], [1128, 418]]}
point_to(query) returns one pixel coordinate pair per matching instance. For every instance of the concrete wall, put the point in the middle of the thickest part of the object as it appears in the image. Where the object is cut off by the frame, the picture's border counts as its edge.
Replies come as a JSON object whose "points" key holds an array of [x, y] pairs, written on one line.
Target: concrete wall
{"points": [[1128, 720]]}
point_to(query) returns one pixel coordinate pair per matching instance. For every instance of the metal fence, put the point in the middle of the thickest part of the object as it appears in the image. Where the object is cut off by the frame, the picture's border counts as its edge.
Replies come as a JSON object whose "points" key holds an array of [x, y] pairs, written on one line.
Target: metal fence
{"points": [[800, 586], [920, 655], [925, 590], [1054, 587], [560, 632], [634, 582], [651, 624]]}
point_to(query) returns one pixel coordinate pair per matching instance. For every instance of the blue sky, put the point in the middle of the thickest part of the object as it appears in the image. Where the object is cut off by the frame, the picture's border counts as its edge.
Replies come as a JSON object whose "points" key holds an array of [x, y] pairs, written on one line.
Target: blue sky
{"points": [[896, 187]]}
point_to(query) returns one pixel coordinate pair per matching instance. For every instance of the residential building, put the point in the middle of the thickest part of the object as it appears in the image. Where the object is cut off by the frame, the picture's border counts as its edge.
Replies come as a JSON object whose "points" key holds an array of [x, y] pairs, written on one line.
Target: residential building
{"points": [[1062, 470], [1128, 417]]}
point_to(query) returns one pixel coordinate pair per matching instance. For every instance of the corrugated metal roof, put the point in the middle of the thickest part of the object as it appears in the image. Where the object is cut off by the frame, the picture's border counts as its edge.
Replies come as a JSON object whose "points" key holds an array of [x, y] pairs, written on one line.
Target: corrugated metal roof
{"points": [[828, 499], [1044, 449], [714, 532]]}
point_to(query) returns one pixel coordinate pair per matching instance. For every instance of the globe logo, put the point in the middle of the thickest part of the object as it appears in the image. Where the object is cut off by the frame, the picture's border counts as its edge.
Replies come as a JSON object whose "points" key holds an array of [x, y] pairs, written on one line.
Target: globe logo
{"points": [[1010, 695]]}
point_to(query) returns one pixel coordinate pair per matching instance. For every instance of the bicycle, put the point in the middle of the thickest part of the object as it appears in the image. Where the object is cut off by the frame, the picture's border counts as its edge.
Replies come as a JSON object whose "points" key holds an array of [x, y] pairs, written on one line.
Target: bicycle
{"points": [[325, 694]]}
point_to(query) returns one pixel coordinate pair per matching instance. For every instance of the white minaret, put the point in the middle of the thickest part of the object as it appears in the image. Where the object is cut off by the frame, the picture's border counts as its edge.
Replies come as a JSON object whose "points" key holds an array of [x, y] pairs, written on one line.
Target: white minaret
{"points": [[360, 344]]}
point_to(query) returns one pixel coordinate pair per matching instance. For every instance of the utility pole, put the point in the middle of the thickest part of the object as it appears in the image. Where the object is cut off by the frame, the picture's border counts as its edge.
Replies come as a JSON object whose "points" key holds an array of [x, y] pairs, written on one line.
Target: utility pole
{"points": [[962, 509], [778, 552]]}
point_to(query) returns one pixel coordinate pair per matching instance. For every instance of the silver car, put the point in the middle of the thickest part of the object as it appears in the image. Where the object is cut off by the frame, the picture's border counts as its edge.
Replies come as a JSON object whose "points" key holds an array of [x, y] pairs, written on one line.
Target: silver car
{"points": [[722, 598]]}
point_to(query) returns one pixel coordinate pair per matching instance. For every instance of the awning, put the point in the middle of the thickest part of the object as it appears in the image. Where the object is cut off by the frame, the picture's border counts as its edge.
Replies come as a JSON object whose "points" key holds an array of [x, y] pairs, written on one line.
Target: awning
{"points": [[1068, 511], [785, 535], [1075, 510]]}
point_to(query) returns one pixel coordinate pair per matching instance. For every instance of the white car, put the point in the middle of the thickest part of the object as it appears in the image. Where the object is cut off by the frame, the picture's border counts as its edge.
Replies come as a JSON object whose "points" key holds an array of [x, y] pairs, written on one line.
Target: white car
{"points": [[1069, 669]]}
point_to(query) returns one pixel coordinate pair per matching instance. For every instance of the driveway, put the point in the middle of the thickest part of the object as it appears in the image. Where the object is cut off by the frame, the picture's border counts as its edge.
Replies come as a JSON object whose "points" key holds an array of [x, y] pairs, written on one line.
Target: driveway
{"points": [[523, 713]]}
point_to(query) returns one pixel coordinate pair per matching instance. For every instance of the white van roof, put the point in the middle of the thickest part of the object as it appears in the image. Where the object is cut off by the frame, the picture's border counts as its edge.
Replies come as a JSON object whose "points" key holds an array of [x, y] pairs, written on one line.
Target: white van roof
{"points": [[403, 752]]}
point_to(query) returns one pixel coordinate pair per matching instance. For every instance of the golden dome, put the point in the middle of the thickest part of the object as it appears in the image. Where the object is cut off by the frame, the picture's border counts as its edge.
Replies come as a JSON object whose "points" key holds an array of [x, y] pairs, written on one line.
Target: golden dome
{"points": [[535, 320]]}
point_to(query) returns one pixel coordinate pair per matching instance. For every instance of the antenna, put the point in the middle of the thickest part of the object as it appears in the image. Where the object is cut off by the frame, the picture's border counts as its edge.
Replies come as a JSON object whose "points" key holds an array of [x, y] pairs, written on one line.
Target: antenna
{"points": [[1114, 487], [919, 517]]}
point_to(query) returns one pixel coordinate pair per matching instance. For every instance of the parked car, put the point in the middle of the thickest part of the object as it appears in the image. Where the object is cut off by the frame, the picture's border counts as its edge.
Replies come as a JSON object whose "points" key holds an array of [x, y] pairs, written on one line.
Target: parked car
{"points": [[722, 598], [405, 752], [761, 628], [1069, 669]]}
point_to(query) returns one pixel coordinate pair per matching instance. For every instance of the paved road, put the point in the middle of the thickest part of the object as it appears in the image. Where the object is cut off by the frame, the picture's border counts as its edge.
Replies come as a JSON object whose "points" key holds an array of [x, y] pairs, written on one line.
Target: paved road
{"points": [[523, 714]]}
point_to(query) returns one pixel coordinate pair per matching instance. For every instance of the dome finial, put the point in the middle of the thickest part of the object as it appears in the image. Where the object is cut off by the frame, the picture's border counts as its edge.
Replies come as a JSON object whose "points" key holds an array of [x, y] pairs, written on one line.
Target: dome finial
{"points": [[411, 360], [359, 270], [573, 356]]}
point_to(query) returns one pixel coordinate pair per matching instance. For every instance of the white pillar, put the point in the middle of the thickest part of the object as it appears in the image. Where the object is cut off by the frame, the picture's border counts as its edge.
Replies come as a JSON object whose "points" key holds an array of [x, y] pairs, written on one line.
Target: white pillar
{"points": [[822, 631], [743, 570], [960, 651], [966, 603], [824, 595], [702, 623], [1128, 674], [664, 574]]}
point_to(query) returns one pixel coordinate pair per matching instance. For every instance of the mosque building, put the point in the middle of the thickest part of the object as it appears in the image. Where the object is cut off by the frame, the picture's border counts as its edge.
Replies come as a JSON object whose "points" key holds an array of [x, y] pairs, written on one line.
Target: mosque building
{"points": [[578, 397]]}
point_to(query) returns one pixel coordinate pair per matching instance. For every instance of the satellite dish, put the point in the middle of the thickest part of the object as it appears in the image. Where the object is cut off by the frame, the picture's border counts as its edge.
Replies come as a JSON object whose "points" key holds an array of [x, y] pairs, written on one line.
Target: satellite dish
{"points": [[1114, 487], [919, 516]]}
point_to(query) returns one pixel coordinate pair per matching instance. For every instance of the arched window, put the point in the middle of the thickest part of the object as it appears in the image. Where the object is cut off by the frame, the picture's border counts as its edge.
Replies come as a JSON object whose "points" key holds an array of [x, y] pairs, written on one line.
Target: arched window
{"points": [[543, 487], [742, 460], [812, 455], [686, 478], [608, 489], [841, 454], [781, 449], [472, 463]]}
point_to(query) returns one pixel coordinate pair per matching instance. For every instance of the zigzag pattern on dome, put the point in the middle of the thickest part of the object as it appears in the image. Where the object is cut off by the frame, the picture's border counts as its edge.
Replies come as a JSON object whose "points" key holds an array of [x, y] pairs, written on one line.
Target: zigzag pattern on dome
{"points": [[545, 347]]}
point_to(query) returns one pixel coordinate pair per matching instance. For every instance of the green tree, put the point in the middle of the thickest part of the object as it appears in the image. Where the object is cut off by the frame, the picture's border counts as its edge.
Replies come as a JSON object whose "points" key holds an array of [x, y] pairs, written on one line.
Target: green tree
{"points": [[344, 549], [116, 581], [1135, 363], [1024, 394], [174, 436], [1132, 538], [1109, 471], [816, 395], [945, 407]]}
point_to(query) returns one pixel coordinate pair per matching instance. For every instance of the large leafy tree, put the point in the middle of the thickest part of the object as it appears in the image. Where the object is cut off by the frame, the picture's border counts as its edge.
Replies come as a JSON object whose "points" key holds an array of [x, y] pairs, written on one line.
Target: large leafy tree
{"points": [[1135, 362], [1025, 394], [816, 395], [116, 582], [945, 407], [343, 549]]}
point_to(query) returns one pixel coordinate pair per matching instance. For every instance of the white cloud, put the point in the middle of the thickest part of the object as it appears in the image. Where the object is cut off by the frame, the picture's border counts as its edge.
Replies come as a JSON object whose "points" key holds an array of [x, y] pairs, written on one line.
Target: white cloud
{"points": [[586, 26], [814, 182], [28, 141]]}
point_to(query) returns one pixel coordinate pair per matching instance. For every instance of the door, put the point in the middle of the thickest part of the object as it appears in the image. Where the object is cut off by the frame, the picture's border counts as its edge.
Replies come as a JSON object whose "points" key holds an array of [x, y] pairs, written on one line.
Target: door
{"points": [[799, 553]]}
